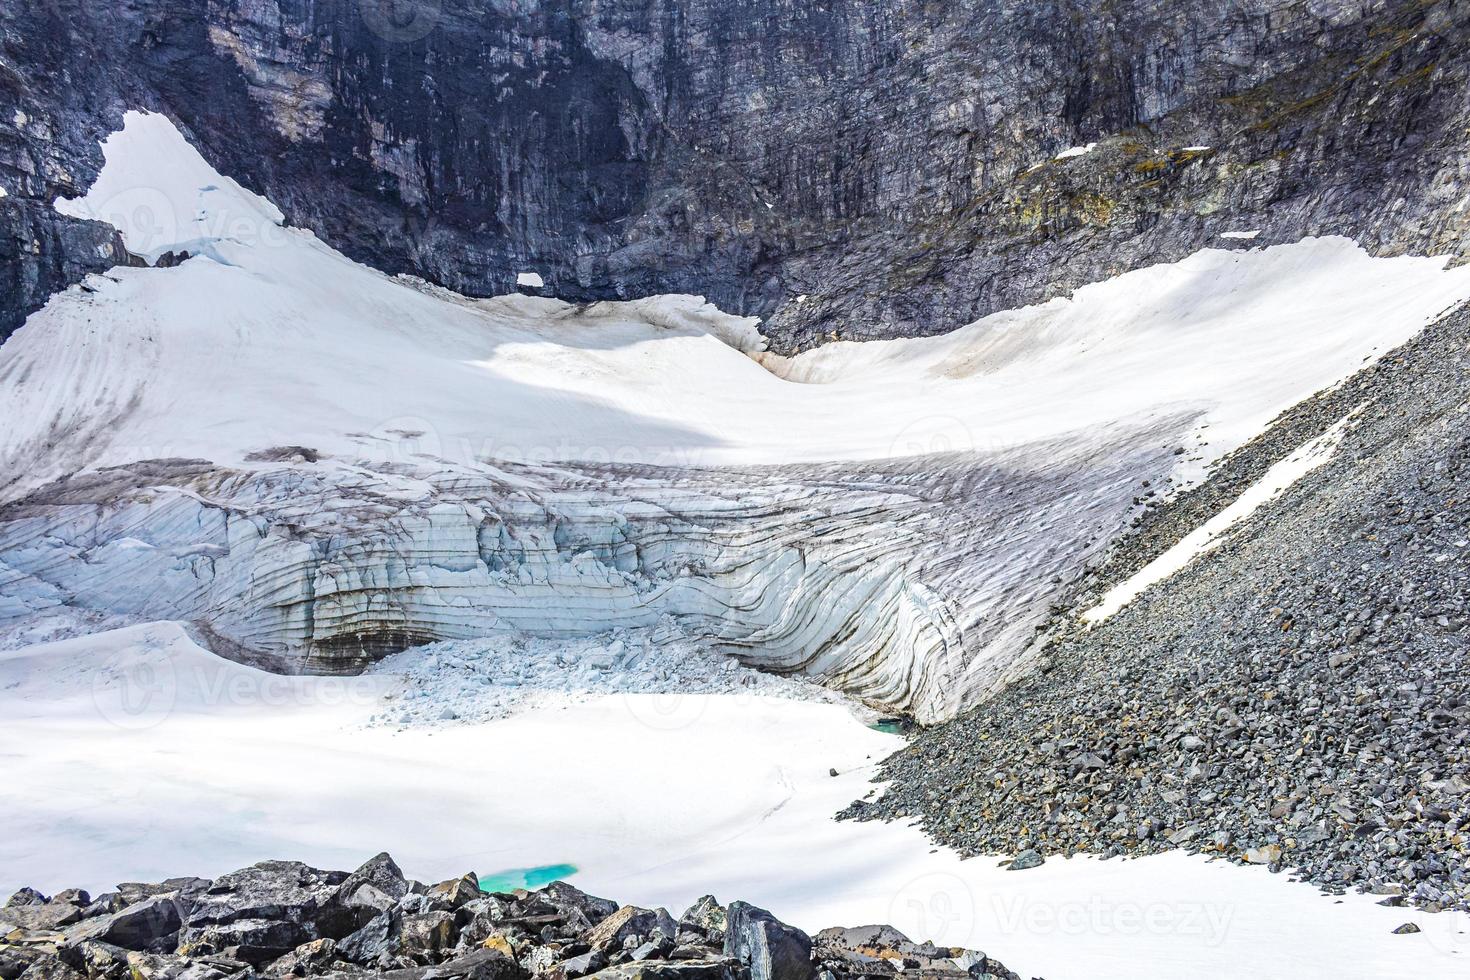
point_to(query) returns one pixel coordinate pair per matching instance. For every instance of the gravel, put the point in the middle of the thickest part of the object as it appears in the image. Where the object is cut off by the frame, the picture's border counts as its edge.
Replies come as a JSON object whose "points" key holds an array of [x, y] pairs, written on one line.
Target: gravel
{"points": [[1299, 698]]}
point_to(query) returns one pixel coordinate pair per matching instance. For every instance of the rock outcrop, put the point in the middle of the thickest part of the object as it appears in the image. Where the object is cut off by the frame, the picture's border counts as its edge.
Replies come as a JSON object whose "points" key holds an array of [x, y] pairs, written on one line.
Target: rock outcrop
{"points": [[860, 169], [282, 919]]}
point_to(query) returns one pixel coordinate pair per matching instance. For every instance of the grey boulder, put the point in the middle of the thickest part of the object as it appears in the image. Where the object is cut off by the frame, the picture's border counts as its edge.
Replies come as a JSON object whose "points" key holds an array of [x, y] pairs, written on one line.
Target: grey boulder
{"points": [[142, 926], [771, 949]]}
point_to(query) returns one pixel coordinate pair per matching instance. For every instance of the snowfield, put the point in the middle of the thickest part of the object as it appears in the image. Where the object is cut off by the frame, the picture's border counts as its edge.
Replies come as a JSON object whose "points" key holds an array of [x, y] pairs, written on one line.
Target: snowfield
{"points": [[316, 464], [135, 754], [557, 539]]}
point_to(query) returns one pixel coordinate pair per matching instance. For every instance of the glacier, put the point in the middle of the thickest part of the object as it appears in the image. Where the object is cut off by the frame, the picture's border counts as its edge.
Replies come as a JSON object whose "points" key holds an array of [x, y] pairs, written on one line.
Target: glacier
{"points": [[316, 465]]}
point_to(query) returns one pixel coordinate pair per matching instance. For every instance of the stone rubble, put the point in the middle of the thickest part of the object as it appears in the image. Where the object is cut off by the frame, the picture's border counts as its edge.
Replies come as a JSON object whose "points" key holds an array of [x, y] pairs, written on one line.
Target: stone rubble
{"points": [[282, 919], [1298, 699]]}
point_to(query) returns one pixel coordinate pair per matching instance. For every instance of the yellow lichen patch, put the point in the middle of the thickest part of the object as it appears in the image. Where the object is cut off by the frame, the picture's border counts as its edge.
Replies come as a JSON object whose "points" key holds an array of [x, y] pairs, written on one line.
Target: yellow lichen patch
{"points": [[1093, 208], [500, 944]]}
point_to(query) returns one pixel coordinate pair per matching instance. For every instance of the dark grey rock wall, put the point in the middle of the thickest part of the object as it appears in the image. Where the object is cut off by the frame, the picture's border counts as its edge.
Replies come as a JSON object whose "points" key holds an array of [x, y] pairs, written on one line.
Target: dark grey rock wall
{"points": [[874, 157]]}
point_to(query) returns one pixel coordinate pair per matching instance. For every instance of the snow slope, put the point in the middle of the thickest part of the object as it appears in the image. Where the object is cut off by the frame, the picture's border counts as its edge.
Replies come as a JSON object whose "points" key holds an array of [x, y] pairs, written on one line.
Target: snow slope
{"points": [[271, 338], [1209, 535], [378, 462], [134, 755]]}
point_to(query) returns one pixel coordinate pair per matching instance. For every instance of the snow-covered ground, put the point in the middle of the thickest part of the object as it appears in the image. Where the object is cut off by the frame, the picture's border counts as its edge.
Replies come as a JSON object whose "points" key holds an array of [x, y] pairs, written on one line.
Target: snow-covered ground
{"points": [[271, 338], [376, 456], [136, 755], [498, 677], [889, 517]]}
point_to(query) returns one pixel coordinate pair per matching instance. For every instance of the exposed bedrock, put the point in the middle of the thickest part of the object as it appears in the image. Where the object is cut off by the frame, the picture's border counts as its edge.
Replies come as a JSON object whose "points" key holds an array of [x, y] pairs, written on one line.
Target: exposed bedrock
{"points": [[913, 584], [872, 168]]}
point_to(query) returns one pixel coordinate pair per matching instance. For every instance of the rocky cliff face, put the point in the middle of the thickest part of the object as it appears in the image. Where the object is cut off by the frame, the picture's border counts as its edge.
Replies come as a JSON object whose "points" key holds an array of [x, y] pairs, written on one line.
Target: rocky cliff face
{"points": [[849, 168]]}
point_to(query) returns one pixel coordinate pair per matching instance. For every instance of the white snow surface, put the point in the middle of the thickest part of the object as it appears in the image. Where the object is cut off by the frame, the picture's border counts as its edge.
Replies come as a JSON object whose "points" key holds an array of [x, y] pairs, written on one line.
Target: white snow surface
{"points": [[271, 338], [1075, 151], [135, 755], [530, 279]]}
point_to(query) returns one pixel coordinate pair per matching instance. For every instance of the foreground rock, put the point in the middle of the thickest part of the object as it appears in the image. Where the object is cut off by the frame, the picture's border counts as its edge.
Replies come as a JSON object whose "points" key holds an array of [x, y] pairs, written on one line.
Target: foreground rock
{"points": [[282, 919]]}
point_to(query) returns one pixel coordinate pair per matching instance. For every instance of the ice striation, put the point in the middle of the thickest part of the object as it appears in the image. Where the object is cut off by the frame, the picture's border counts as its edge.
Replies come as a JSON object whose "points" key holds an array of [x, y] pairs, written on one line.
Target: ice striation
{"points": [[317, 465], [909, 583]]}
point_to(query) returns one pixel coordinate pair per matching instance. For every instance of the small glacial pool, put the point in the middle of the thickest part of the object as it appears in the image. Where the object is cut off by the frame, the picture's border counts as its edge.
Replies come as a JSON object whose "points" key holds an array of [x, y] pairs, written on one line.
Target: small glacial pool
{"points": [[890, 726], [509, 881]]}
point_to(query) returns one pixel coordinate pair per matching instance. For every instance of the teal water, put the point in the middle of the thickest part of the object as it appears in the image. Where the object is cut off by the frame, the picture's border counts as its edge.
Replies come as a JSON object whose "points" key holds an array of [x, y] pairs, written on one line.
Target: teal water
{"points": [[509, 881], [888, 726]]}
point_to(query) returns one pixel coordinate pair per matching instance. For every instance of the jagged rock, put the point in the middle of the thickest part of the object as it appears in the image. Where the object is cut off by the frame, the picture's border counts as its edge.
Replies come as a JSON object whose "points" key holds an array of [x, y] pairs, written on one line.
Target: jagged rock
{"points": [[135, 891], [53, 969], [500, 942], [376, 939], [540, 959], [427, 934], [694, 949], [24, 897], [286, 890], [15, 960], [483, 919], [456, 893], [581, 965], [96, 959], [770, 948], [627, 922], [706, 916], [154, 966], [482, 964], [49, 916], [142, 926], [881, 949], [416, 941], [103, 904], [305, 960], [652, 949], [658, 970], [1026, 860], [568, 898], [255, 941], [377, 885], [978, 965]]}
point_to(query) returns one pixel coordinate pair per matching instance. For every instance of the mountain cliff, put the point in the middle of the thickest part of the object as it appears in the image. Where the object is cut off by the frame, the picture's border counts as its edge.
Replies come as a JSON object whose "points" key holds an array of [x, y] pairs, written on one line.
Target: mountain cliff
{"points": [[845, 168]]}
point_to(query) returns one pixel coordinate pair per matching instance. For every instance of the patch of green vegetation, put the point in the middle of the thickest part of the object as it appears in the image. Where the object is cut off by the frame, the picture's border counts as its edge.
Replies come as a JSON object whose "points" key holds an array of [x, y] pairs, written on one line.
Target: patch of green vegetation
{"points": [[1414, 77], [1186, 156]]}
